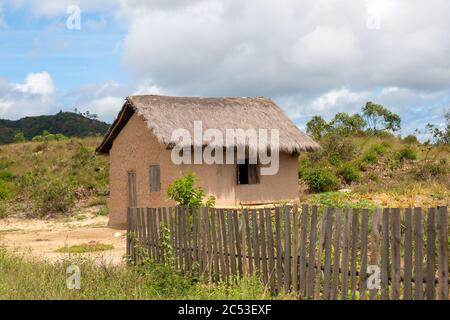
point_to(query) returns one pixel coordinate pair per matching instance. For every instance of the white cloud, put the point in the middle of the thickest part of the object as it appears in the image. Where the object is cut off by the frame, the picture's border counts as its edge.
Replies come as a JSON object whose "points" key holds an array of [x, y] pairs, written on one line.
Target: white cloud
{"points": [[312, 57], [40, 83], [36, 95]]}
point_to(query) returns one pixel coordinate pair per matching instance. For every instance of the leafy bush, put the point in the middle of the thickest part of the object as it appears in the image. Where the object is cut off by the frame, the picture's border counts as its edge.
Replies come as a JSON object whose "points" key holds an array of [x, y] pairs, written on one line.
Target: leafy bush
{"points": [[370, 157], [303, 166], [37, 139], [406, 153], [349, 172], [5, 192], [183, 192], [103, 212], [52, 197], [411, 139], [379, 149], [19, 137], [335, 149], [321, 180], [6, 175]]}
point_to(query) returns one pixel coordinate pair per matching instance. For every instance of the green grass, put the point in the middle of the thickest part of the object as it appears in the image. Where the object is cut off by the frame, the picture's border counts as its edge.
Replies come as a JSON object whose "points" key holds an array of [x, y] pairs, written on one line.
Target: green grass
{"points": [[9, 230], [34, 279], [85, 247]]}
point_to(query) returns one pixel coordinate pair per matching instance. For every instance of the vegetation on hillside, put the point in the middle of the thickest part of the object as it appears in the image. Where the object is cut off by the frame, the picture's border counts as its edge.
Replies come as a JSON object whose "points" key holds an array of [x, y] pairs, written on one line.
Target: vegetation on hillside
{"points": [[55, 175], [69, 124], [362, 154], [51, 177]]}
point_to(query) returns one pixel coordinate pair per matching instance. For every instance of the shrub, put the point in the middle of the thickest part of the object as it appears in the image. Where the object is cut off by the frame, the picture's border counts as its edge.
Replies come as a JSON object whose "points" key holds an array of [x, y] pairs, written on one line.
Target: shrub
{"points": [[335, 149], [19, 137], [379, 149], [60, 137], [3, 212], [103, 212], [5, 192], [37, 139], [303, 166], [52, 197], [321, 180], [183, 192], [349, 173], [406, 153], [6, 175], [370, 157], [411, 139], [433, 169]]}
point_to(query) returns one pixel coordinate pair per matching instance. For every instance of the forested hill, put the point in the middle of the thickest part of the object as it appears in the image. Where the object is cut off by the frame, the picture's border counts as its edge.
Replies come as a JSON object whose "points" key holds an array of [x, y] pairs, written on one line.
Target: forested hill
{"points": [[67, 123]]}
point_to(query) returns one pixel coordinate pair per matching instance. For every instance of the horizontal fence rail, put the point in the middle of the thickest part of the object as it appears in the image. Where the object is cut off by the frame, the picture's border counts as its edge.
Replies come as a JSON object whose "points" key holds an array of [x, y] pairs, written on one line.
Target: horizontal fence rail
{"points": [[318, 253]]}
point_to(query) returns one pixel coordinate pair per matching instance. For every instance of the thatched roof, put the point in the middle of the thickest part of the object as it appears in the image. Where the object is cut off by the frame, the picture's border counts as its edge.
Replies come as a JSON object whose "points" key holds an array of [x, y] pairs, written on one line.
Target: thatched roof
{"points": [[165, 114]]}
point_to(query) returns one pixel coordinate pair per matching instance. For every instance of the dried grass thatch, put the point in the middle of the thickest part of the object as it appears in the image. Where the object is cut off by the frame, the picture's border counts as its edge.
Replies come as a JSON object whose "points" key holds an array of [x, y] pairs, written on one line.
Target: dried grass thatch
{"points": [[164, 114]]}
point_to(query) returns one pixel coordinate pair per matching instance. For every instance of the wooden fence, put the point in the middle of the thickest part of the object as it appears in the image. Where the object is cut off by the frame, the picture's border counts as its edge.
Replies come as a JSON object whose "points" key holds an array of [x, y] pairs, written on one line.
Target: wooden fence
{"points": [[319, 253]]}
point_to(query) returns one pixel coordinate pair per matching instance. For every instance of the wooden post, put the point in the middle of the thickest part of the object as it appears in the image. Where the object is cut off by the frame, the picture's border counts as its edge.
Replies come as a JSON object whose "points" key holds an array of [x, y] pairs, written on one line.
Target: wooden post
{"points": [[354, 251], [279, 253], [249, 241], [375, 244], [232, 242], [256, 248], [237, 237], [337, 255], [442, 229], [363, 252], [287, 249], [295, 250], [303, 239], [345, 253], [396, 244], [431, 245], [312, 251], [418, 275], [263, 246], [407, 274], [328, 253], [225, 240], [270, 250]]}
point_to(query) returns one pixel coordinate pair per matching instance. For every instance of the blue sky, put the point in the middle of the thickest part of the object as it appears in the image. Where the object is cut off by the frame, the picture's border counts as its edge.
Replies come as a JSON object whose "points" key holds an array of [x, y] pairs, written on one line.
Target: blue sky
{"points": [[311, 57]]}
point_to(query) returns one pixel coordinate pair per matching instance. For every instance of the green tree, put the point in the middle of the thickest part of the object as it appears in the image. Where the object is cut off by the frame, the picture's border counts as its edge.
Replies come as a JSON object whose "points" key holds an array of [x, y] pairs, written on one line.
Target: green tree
{"points": [[182, 190], [379, 118], [440, 136], [19, 137], [346, 124], [317, 127]]}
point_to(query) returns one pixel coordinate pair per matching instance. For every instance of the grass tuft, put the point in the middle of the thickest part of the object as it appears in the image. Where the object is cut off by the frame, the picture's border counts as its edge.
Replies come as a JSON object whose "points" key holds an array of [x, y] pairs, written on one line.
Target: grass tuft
{"points": [[85, 247]]}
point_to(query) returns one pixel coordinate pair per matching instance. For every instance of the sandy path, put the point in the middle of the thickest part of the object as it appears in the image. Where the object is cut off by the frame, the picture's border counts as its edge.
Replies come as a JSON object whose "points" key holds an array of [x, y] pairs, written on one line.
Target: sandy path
{"points": [[41, 238]]}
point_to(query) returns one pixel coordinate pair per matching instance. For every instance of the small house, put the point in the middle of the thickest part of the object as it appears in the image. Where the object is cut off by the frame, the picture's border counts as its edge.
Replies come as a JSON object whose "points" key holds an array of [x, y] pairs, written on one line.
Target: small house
{"points": [[142, 140]]}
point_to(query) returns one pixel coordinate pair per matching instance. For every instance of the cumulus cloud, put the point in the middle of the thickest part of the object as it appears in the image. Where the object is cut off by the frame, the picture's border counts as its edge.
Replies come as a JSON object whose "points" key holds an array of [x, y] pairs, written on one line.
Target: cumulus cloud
{"points": [[107, 98], [312, 57], [36, 95], [40, 83], [259, 48]]}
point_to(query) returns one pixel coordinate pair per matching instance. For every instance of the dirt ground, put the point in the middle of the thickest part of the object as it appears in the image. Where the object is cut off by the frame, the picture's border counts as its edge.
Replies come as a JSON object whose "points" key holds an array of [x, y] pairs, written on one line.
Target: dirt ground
{"points": [[41, 238]]}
